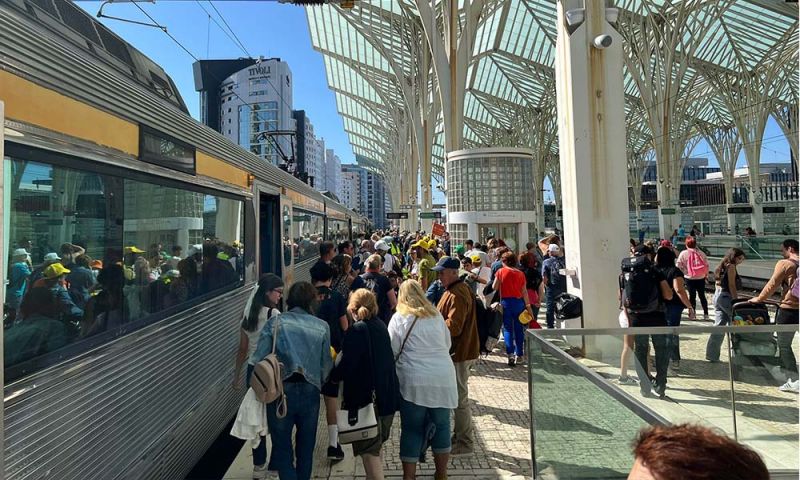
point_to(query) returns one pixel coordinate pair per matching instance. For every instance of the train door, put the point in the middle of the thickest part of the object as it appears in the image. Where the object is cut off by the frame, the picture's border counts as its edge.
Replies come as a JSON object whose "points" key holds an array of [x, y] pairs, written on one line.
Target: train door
{"points": [[287, 240], [269, 233], [350, 229]]}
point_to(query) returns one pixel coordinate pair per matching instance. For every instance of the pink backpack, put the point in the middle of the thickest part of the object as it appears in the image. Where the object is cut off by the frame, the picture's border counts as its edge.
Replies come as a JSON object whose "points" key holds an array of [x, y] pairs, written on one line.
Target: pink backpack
{"points": [[696, 266]]}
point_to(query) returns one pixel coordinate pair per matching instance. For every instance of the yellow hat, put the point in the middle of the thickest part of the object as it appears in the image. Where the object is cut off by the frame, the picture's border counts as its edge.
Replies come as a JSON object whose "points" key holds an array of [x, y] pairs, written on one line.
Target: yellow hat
{"points": [[133, 249], [421, 243], [476, 258], [55, 270], [525, 317], [431, 244]]}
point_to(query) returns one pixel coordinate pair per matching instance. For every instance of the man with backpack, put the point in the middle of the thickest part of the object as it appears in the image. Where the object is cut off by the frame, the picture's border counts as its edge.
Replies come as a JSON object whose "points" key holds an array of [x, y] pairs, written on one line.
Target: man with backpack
{"points": [[554, 281], [644, 291]]}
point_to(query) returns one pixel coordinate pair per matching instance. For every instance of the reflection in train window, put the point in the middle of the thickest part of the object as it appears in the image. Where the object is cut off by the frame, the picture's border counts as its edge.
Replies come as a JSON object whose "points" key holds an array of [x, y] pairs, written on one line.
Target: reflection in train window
{"points": [[287, 236], [338, 230], [307, 234], [93, 252]]}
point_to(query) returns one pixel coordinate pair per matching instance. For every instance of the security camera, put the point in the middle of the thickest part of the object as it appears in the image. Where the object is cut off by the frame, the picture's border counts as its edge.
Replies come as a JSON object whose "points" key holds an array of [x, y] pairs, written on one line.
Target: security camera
{"points": [[602, 41]]}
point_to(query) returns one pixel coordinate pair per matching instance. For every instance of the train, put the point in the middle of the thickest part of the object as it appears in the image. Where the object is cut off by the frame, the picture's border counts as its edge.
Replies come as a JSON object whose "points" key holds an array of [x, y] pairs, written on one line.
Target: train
{"points": [[102, 160]]}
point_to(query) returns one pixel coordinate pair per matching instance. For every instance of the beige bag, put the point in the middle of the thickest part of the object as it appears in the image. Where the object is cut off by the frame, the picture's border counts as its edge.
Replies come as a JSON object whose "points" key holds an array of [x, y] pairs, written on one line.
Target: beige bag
{"points": [[267, 379]]}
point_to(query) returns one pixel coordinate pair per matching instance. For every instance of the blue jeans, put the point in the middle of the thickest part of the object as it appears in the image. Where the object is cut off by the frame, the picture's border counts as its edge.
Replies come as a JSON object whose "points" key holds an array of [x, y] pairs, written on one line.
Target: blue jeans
{"points": [[513, 331], [260, 452], [302, 400], [550, 301], [723, 306], [673, 315], [414, 423]]}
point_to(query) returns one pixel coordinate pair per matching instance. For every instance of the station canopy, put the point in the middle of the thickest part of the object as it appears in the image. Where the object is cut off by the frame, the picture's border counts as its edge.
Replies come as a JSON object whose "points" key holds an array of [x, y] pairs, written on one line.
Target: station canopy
{"points": [[371, 48]]}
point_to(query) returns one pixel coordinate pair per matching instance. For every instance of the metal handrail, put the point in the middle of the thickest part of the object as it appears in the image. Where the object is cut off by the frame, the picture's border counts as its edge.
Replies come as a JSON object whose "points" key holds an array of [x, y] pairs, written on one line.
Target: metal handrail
{"points": [[552, 332]]}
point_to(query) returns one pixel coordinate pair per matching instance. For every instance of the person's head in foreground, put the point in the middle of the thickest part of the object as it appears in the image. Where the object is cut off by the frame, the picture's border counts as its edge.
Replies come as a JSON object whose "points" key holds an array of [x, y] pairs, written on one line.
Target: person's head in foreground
{"points": [[692, 452]]}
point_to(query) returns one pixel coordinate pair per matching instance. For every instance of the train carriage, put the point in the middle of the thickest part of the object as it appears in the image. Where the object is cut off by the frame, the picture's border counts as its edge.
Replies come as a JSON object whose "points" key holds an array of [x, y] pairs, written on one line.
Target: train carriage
{"points": [[100, 152]]}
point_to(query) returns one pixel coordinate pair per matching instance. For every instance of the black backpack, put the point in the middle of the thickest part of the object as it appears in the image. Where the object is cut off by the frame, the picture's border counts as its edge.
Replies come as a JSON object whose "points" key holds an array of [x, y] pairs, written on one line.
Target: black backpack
{"points": [[640, 291], [489, 323], [568, 306]]}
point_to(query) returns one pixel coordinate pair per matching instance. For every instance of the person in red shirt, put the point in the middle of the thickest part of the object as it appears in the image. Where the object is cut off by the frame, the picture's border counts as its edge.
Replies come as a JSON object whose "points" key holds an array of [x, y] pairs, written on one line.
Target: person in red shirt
{"points": [[510, 283]]}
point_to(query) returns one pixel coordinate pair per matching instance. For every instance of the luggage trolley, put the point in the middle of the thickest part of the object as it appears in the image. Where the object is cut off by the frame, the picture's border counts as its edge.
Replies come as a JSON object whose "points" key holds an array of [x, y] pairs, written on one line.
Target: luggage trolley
{"points": [[751, 349]]}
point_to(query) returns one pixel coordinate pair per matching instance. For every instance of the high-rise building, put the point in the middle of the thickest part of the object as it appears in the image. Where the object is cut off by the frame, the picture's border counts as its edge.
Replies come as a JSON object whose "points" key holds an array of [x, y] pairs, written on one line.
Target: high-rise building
{"points": [[333, 172], [252, 102], [368, 193], [309, 160]]}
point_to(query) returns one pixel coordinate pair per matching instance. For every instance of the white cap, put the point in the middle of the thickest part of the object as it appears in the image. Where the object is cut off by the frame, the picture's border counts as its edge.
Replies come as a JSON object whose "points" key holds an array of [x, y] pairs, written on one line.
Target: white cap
{"points": [[553, 248], [20, 252], [195, 249], [51, 257], [381, 245]]}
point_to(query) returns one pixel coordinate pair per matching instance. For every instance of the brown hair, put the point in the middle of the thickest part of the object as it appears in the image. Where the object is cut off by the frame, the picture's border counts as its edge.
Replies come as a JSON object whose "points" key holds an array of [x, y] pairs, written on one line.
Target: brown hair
{"points": [[692, 452], [509, 259], [691, 242]]}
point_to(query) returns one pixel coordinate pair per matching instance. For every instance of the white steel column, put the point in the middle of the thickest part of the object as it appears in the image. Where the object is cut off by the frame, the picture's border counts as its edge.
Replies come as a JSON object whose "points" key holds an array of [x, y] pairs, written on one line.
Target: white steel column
{"points": [[591, 128]]}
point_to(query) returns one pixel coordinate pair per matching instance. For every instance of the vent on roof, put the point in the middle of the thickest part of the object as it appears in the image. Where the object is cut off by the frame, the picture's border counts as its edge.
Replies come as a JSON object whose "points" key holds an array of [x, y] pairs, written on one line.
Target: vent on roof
{"points": [[114, 45], [161, 86], [77, 20], [46, 5]]}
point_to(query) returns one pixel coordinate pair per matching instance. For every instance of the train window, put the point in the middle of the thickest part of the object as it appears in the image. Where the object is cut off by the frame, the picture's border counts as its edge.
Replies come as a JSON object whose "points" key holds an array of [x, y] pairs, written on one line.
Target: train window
{"points": [[96, 255], [307, 234], [161, 149], [338, 231], [287, 236]]}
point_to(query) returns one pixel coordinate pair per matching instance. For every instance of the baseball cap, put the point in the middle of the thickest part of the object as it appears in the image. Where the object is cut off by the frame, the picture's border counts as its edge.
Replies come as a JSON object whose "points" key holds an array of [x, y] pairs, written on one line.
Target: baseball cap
{"points": [[195, 250], [642, 249], [460, 249], [20, 252], [421, 243], [553, 248], [476, 258], [446, 262], [381, 245], [133, 249], [51, 257], [96, 264], [55, 270]]}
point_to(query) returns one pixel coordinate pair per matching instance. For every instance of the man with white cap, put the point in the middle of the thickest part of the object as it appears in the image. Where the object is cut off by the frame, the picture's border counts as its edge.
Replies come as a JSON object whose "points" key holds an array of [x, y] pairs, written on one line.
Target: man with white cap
{"points": [[388, 259], [555, 282], [17, 279], [38, 272]]}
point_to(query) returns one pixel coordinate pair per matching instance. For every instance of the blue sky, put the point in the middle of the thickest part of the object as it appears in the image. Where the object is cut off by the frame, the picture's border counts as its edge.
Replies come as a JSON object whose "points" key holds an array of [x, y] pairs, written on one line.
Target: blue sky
{"points": [[276, 30]]}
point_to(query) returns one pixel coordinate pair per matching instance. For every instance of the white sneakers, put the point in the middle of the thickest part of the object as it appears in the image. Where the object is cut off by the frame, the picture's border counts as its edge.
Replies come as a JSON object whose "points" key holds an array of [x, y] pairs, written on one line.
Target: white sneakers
{"points": [[790, 386]]}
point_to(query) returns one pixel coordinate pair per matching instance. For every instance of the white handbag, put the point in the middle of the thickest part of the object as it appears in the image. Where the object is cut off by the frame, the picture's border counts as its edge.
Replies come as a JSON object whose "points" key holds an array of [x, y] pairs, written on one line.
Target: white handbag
{"points": [[357, 425]]}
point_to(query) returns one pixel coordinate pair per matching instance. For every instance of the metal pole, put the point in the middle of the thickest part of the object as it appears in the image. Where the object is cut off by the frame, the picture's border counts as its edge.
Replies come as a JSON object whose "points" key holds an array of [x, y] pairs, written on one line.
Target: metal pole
{"points": [[733, 391], [3, 252]]}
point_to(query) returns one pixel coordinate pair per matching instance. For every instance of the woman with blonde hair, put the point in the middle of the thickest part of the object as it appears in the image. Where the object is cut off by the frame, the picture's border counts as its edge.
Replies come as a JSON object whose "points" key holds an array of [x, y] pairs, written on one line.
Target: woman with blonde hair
{"points": [[421, 346], [366, 368]]}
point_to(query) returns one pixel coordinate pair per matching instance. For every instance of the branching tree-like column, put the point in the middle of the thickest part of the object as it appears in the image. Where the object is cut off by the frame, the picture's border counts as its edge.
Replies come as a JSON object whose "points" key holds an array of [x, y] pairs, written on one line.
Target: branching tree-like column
{"points": [[726, 144], [658, 49], [553, 170], [639, 152], [787, 116]]}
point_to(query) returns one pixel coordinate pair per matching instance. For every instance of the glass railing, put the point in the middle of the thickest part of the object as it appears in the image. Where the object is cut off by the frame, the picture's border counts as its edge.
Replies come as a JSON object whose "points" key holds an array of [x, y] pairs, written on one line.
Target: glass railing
{"points": [[586, 408], [756, 248]]}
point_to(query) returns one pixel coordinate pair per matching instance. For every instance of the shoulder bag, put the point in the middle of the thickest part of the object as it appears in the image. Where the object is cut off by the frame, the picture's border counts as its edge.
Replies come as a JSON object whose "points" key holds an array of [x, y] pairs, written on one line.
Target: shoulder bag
{"points": [[267, 377], [362, 423], [403, 345]]}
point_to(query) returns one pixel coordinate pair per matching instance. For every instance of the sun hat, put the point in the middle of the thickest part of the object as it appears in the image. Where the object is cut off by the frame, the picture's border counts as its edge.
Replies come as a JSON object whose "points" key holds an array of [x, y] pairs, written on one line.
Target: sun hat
{"points": [[20, 252], [55, 270]]}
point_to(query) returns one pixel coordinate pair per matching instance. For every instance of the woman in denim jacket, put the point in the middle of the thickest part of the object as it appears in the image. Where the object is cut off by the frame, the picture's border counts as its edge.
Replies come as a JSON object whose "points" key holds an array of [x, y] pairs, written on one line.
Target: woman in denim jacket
{"points": [[303, 347]]}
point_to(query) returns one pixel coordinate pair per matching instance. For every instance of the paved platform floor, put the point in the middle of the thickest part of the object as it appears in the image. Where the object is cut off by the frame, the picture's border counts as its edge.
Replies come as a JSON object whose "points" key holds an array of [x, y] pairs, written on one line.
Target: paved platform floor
{"points": [[499, 400]]}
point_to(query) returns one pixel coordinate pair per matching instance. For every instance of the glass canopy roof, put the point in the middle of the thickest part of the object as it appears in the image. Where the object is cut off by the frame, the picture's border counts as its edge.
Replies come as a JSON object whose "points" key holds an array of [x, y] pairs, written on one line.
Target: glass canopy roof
{"points": [[372, 49]]}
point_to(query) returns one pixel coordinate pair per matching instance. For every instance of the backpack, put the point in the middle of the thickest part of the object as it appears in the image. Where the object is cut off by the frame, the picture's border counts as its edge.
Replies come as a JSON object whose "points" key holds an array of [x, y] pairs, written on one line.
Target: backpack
{"points": [[568, 306], [696, 267], [554, 277], [640, 291], [267, 377]]}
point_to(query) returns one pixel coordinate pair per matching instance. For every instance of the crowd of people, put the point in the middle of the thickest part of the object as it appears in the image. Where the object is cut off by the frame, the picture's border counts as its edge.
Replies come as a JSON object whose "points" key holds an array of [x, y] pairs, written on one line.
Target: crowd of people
{"points": [[70, 295], [392, 324]]}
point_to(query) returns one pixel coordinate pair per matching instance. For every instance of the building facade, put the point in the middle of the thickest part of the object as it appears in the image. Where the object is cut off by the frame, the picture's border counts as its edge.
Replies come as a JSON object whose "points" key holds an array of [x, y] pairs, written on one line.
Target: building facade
{"points": [[309, 161], [364, 192], [351, 189], [255, 101], [333, 172]]}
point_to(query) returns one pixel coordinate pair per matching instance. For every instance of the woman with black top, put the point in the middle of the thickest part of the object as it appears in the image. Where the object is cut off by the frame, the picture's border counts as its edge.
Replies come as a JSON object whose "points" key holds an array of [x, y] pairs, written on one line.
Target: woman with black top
{"points": [[665, 263], [727, 289], [366, 365]]}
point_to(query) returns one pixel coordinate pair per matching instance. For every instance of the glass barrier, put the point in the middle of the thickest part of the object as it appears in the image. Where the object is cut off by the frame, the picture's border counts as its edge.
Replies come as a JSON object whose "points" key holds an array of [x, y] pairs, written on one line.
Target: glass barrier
{"points": [[591, 391]]}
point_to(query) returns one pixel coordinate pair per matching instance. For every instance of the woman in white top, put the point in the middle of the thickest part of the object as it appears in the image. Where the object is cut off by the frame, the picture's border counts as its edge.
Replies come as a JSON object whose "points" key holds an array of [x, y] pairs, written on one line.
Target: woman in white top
{"points": [[261, 306], [421, 344]]}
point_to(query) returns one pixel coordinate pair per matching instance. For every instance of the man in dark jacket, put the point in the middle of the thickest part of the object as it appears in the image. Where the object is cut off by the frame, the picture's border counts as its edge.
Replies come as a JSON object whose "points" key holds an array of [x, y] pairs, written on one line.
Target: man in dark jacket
{"points": [[457, 306]]}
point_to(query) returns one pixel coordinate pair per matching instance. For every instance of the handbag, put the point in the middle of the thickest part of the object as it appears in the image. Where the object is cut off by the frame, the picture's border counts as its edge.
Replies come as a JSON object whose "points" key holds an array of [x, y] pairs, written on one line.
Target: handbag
{"points": [[362, 423], [267, 377], [403, 345]]}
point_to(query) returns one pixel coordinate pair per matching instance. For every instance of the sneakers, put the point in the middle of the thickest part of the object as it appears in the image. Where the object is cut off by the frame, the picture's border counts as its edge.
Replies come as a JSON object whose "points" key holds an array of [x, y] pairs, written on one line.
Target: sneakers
{"points": [[675, 364], [660, 390], [460, 449], [512, 361], [790, 386], [519, 360], [705, 317], [627, 380], [260, 472], [335, 454]]}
